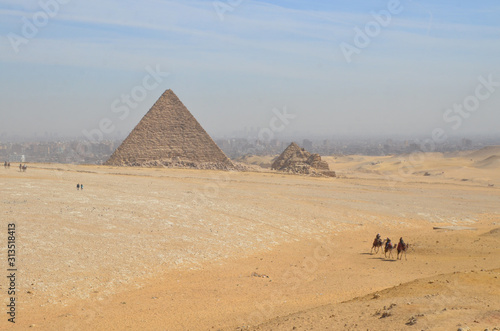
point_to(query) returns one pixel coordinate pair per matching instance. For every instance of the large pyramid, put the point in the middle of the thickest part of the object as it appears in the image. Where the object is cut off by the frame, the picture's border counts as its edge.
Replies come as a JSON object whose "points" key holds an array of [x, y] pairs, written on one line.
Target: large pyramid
{"points": [[299, 161], [168, 135]]}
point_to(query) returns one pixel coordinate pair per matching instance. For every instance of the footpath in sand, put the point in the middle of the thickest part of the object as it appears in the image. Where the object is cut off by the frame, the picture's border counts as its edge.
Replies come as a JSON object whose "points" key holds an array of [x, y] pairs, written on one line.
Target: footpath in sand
{"points": [[168, 249]]}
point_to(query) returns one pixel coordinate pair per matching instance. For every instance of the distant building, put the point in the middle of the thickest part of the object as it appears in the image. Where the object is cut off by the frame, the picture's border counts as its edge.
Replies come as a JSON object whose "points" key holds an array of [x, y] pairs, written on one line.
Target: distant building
{"points": [[466, 142], [307, 144], [17, 158]]}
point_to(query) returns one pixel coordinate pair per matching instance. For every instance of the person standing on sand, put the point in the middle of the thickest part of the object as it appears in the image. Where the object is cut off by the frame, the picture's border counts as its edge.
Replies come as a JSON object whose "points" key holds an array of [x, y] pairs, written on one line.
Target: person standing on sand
{"points": [[78, 186], [81, 186], [20, 167]]}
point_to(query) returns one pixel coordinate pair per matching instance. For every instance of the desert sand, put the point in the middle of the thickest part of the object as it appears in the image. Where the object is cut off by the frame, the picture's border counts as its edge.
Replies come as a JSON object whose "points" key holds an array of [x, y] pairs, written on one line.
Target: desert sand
{"points": [[177, 249]]}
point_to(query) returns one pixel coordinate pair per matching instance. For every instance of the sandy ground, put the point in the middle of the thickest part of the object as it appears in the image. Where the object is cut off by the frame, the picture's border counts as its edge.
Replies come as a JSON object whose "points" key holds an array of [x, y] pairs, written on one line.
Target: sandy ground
{"points": [[169, 249]]}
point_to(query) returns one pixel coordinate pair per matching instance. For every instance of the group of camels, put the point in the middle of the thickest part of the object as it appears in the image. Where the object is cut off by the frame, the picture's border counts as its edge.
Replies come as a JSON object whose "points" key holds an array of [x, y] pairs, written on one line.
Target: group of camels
{"points": [[388, 247]]}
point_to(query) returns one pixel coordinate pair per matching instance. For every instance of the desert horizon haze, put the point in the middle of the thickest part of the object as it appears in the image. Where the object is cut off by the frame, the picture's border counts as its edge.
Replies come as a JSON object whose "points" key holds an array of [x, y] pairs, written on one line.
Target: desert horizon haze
{"points": [[383, 67]]}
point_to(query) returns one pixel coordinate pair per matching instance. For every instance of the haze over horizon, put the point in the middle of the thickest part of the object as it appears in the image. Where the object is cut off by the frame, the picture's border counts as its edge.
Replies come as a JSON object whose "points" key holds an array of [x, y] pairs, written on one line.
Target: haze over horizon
{"points": [[235, 64]]}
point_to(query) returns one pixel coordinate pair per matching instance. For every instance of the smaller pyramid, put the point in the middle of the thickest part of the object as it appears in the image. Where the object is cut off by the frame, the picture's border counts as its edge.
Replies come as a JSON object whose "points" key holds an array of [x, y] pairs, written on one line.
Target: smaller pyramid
{"points": [[297, 160], [169, 135]]}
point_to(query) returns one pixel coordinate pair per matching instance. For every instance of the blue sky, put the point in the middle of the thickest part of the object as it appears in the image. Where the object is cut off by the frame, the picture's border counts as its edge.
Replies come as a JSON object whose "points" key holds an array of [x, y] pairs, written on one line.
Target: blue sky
{"points": [[232, 69]]}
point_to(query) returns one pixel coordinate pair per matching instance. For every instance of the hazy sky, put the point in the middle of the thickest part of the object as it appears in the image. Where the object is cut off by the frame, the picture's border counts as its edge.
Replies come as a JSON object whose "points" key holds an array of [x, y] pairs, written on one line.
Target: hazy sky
{"points": [[66, 64]]}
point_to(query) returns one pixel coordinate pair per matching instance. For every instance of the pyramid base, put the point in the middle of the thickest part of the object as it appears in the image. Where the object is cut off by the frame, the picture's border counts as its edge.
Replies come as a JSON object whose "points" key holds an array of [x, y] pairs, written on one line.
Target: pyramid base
{"points": [[179, 164]]}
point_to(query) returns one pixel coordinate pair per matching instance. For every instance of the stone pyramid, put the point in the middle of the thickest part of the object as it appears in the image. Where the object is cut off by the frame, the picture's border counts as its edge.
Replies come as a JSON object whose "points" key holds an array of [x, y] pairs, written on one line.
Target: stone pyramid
{"points": [[299, 161], [168, 135], [292, 154]]}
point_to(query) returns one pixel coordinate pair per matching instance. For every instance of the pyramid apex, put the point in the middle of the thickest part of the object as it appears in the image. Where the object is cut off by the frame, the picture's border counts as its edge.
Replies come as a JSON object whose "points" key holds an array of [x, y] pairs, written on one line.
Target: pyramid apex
{"points": [[168, 91], [293, 146]]}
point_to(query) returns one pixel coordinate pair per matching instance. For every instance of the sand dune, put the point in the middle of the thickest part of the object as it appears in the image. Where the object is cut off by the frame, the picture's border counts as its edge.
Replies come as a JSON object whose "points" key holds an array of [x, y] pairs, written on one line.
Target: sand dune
{"points": [[495, 232], [261, 161], [483, 153], [422, 167], [492, 162], [441, 302]]}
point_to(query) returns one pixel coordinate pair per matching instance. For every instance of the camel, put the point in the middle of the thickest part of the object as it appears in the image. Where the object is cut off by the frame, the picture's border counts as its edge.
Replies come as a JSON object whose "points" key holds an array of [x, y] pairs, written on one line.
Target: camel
{"points": [[402, 248], [377, 243], [388, 248]]}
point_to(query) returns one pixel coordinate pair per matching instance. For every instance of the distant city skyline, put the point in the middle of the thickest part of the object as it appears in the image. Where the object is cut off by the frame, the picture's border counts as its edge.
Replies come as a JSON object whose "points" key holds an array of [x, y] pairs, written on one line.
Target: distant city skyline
{"points": [[352, 68], [81, 151]]}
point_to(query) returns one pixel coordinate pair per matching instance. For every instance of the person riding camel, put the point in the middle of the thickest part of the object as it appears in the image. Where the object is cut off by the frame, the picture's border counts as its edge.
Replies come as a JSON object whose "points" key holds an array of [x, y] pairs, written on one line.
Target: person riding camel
{"points": [[377, 243], [402, 248], [388, 243]]}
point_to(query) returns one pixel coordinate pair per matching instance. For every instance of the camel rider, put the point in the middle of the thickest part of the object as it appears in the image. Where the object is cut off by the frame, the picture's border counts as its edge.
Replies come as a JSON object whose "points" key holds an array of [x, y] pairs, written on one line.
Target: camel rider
{"points": [[388, 243], [401, 241], [377, 238]]}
